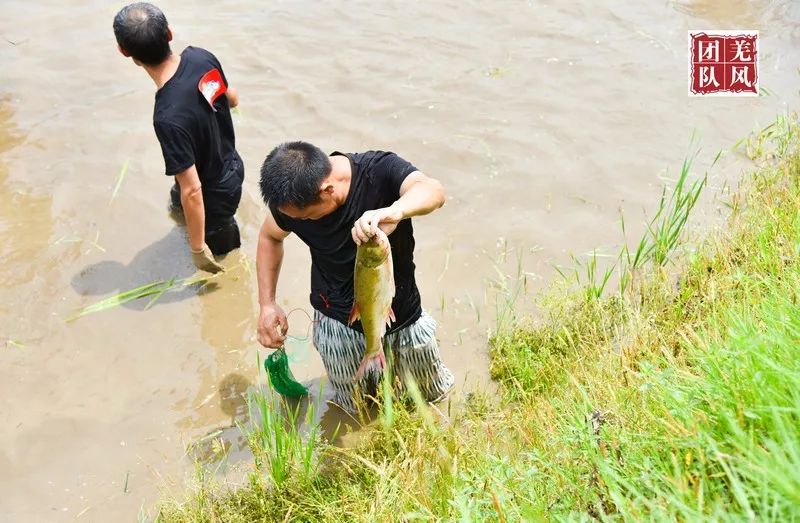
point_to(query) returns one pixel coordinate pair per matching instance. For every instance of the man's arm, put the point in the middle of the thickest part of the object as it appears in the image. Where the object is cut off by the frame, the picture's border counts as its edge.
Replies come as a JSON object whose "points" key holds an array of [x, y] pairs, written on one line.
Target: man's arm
{"points": [[195, 214], [193, 208], [419, 195], [233, 97], [272, 324]]}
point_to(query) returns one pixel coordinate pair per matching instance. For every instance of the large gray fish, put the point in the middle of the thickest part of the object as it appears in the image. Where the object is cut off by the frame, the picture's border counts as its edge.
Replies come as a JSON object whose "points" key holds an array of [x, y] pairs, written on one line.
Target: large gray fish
{"points": [[373, 289]]}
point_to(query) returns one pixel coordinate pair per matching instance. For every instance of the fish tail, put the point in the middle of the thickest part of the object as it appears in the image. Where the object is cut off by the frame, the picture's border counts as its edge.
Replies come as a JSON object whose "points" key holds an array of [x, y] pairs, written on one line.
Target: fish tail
{"points": [[374, 362]]}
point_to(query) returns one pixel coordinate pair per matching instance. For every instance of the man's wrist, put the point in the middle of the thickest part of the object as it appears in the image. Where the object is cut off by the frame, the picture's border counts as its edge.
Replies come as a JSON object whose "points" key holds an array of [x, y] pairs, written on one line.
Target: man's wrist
{"points": [[397, 207]]}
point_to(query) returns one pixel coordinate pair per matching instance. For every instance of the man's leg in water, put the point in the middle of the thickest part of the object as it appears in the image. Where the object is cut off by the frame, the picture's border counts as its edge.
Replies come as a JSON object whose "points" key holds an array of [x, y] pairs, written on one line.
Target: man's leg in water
{"points": [[222, 236], [415, 354]]}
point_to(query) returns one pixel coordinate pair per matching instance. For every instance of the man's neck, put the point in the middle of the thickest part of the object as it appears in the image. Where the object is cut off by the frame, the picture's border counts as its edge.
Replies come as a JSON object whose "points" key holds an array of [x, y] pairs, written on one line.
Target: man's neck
{"points": [[342, 176], [162, 72]]}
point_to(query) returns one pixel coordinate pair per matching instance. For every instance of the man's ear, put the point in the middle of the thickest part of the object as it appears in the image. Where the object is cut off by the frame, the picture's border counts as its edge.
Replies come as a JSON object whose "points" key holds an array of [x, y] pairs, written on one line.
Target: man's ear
{"points": [[123, 52], [327, 188], [169, 34]]}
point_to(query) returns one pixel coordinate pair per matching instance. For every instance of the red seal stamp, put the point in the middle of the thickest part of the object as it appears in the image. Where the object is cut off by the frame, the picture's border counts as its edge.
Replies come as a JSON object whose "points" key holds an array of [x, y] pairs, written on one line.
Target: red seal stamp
{"points": [[723, 63]]}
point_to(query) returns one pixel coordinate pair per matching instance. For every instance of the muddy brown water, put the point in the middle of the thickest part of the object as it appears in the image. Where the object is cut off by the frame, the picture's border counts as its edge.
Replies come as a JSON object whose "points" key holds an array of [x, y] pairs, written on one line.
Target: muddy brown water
{"points": [[542, 120]]}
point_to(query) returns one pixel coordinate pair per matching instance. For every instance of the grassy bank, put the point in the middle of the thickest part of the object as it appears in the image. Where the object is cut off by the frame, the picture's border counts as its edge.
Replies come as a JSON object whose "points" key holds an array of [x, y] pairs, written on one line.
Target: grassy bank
{"points": [[676, 396]]}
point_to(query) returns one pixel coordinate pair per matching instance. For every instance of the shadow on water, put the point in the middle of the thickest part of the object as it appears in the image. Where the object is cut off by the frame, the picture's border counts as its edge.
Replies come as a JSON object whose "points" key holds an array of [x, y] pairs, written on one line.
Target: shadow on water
{"points": [[335, 424], [226, 442], [233, 396], [164, 259]]}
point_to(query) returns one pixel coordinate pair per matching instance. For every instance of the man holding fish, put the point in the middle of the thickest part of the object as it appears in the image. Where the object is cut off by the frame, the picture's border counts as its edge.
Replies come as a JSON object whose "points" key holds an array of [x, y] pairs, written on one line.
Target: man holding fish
{"points": [[353, 211]]}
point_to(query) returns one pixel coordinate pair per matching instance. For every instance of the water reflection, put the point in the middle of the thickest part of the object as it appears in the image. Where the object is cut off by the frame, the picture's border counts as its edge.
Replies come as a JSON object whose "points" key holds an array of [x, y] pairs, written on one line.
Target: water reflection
{"points": [[10, 135], [226, 321], [25, 229], [25, 217]]}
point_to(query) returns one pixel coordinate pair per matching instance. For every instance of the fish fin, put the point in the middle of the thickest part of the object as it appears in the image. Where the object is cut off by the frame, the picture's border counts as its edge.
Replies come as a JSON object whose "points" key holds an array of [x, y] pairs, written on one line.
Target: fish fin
{"points": [[354, 314], [375, 362], [390, 317]]}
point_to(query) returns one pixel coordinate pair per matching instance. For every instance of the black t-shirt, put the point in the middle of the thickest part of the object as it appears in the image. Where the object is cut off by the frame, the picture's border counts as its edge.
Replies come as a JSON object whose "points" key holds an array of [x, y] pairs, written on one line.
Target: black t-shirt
{"points": [[375, 183], [190, 132]]}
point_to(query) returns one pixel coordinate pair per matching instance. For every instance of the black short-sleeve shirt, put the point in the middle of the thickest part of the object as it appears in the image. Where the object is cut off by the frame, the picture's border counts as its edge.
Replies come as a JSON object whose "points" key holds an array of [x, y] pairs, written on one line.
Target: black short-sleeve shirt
{"points": [[188, 129], [375, 183]]}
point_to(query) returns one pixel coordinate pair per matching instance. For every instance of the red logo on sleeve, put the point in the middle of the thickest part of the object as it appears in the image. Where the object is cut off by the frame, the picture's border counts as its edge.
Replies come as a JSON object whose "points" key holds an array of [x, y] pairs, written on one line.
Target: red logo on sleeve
{"points": [[212, 87]]}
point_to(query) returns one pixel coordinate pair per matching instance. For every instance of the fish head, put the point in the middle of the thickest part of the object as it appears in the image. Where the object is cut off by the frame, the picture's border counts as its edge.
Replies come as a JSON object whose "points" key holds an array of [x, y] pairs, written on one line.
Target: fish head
{"points": [[374, 252]]}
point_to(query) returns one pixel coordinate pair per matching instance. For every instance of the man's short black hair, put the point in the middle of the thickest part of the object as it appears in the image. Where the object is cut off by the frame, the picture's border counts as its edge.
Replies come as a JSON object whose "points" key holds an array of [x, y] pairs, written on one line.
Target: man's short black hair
{"points": [[292, 174], [142, 31]]}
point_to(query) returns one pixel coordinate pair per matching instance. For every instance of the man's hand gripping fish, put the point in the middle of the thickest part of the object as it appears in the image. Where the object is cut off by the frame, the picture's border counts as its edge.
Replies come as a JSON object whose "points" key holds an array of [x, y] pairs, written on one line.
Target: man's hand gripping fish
{"points": [[373, 288]]}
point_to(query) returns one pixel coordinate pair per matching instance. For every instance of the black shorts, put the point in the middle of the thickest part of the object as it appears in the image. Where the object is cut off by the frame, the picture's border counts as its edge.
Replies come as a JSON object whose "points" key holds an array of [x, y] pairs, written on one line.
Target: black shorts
{"points": [[221, 197], [223, 238], [220, 200]]}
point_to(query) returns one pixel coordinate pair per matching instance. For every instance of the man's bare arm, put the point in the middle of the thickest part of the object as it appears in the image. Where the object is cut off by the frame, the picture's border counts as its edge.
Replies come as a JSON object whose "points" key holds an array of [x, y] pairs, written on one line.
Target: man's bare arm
{"points": [[269, 256], [195, 213], [233, 97], [272, 324], [193, 208], [419, 195]]}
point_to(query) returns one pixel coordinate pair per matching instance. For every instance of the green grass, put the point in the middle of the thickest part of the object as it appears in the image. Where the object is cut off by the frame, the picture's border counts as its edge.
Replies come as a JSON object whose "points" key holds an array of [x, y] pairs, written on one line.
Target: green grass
{"points": [[273, 433], [677, 398]]}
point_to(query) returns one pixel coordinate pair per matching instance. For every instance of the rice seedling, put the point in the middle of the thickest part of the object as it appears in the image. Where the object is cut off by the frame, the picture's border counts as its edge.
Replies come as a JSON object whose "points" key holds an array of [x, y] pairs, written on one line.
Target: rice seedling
{"points": [[154, 289], [150, 289], [67, 239], [274, 436], [96, 243], [120, 177]]}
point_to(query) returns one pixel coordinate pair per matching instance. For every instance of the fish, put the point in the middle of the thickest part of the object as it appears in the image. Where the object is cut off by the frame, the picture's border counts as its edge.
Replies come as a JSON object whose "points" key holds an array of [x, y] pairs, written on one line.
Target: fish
{"points": [[373, 292]]}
